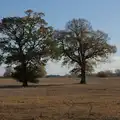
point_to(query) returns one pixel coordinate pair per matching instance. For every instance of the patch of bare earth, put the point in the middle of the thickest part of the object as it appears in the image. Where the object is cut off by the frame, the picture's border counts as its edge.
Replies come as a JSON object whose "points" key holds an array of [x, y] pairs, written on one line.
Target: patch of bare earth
{"points": [[61, 99]]}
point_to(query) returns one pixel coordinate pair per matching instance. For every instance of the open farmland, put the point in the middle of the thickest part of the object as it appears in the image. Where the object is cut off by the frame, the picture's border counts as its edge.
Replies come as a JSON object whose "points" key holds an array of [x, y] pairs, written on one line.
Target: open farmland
{"points": [[60, 99]]}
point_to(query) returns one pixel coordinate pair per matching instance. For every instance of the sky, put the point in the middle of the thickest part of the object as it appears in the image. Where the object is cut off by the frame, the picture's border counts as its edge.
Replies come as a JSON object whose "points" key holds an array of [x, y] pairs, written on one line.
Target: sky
{"points": [[103, 15]]}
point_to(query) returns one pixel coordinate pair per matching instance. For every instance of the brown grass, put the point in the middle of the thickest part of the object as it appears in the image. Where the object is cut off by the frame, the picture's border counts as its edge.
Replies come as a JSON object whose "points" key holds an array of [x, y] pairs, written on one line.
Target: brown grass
{"points": [[61, 99]]}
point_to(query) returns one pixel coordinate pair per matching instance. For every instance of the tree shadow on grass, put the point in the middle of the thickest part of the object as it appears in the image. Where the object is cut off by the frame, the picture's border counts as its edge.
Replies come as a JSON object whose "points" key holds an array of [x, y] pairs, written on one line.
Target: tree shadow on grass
{"points": [[29, 86]]}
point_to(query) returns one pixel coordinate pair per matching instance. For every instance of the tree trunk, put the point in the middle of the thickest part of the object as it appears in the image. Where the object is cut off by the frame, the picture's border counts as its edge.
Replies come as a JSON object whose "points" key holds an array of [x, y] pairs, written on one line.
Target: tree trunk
{"points": [[25, 82], [83, 75]]}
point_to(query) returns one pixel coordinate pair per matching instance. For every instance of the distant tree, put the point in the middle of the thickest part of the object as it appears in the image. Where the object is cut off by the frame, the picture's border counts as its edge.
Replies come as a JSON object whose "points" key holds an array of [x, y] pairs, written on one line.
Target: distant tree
{"points": [[79, 44], [117, 72], [27, 43], [109, 72], [102, 74], [8, 71], [106, 73]]}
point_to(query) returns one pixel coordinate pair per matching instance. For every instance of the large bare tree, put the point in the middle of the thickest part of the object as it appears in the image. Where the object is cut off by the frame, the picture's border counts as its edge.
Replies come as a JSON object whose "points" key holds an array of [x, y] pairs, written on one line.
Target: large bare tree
{"points": [[80, 44]]}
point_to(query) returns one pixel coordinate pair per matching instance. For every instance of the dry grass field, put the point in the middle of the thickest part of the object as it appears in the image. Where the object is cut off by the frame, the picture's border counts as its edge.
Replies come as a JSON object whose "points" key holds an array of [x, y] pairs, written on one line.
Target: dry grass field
{"points": [[61, 99]]}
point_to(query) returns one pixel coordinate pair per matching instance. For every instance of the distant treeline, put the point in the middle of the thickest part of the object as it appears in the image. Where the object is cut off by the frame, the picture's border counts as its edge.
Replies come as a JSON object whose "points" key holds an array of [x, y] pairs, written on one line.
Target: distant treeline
{"points": [[106, 73], [48, 76]]}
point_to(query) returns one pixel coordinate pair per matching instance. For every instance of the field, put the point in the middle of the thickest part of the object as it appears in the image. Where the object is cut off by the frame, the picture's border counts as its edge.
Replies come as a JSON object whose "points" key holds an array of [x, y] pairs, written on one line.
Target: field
{"points": [[61, 99]]}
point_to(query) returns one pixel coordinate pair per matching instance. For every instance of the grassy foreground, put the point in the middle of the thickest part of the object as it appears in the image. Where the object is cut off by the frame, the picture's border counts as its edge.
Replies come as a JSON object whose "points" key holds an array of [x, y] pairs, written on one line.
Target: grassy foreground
{"points": [[61, 99]]}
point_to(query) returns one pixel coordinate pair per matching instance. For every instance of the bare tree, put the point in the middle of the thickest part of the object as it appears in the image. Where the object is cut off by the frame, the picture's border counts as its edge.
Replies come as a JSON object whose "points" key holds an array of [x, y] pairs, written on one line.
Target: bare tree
{"points": [[79, 43]]}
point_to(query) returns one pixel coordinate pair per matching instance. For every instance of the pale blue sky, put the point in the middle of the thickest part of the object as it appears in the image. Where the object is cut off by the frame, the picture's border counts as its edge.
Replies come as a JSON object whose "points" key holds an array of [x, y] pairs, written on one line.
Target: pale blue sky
{"points": [[103, 15]]}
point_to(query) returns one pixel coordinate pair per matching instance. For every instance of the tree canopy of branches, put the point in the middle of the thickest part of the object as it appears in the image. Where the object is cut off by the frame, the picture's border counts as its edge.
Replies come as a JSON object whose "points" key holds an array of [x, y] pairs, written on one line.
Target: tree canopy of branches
{"points": [[81, 44], [27, 43]]}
